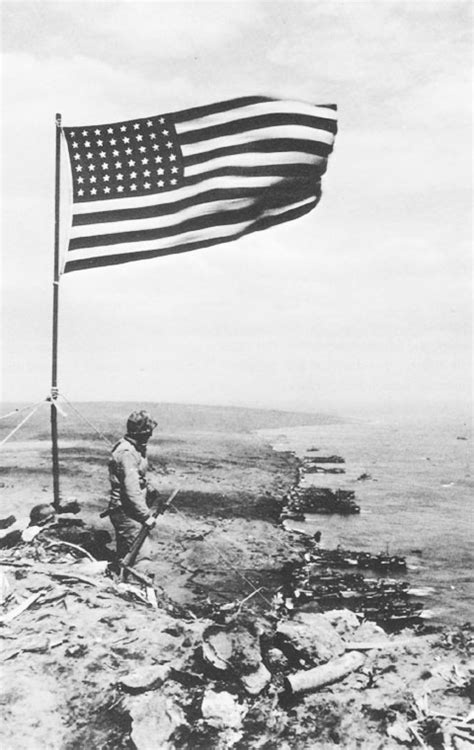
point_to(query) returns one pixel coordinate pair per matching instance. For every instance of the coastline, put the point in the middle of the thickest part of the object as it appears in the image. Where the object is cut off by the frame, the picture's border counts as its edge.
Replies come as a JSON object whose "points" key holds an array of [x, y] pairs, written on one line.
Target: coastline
{"points": [[228, 547]]}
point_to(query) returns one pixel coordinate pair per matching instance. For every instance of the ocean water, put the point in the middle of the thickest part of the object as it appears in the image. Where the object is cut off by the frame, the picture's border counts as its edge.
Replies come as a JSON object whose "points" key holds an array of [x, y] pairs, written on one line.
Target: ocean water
{"points": [[419, 502]]}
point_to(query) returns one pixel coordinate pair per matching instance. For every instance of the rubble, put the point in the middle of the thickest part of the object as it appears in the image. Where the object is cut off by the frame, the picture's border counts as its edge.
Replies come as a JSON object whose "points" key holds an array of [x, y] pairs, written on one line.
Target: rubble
{"points": [[222, 710]]}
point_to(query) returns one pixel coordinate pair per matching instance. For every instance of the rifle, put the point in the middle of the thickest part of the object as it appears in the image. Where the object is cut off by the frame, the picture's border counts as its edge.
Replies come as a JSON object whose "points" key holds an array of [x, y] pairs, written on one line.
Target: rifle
{"points": [[156, 510]]}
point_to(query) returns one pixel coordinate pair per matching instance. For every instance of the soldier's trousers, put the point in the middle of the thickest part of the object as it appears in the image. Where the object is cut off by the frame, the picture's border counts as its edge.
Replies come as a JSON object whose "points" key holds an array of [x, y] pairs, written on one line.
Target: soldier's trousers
{"points": [[126, 531]]}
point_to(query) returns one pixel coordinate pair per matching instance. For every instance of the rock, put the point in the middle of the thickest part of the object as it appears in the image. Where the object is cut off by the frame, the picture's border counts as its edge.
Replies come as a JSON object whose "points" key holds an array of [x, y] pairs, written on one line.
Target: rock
{"points": [[343, 621], [235, 646], [154, 719], [311, 635], [256, 681], [222, 710], [399, 730], [276, 660], [368, 631], [29, 534], [145, 678], [217, 647]]}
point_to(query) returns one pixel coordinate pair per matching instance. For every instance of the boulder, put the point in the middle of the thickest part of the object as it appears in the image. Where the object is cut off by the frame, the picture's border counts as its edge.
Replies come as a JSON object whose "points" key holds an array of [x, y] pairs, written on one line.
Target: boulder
{"points": [[343, 621], [222, 710], [311, 635], [154, 719], [368, 631], [145, 678], [234, 647], [256, 681]]}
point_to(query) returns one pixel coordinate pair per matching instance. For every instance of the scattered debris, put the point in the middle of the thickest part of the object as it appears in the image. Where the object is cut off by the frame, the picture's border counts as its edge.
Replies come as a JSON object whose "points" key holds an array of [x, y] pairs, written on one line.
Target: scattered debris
{"points": [[313, 679], [16, 611]]}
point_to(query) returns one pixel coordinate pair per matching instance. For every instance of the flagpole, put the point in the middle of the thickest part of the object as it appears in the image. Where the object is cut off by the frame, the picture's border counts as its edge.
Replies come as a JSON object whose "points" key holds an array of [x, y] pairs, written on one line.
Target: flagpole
{"points": [[54, 369]]}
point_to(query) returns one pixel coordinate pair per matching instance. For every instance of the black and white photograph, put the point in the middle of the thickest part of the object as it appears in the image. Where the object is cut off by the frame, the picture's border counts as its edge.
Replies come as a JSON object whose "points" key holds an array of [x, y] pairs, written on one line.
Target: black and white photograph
{"points": [[236, 465]]}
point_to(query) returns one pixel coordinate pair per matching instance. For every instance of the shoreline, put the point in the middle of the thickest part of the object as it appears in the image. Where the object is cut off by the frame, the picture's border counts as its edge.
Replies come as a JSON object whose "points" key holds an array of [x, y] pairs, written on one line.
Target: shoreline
{"points": [[84, 636]]}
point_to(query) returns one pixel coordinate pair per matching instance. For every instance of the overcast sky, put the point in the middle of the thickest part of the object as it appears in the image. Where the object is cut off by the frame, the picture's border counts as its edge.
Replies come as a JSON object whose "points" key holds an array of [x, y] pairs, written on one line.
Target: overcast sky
{"points": [[366, 299]]}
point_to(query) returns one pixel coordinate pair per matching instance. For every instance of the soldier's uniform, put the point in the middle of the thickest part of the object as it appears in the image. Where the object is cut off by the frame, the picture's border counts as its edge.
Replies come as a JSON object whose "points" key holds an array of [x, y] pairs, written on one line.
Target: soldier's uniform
{"points": [[128, 466]]}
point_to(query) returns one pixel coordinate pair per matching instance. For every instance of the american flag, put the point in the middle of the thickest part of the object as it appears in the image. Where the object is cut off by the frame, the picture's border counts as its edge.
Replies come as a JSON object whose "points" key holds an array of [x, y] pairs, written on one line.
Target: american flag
{"points": [[204, 176]]}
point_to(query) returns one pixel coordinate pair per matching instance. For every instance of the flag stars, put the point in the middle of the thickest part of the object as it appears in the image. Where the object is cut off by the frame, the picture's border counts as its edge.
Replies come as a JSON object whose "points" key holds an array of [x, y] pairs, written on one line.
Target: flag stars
{"points": [[124, 159]]}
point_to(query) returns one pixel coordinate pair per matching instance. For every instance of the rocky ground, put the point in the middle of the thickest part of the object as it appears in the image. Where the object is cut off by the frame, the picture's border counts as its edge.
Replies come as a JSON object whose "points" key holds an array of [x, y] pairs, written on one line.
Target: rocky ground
{"points": [[88, 662]]}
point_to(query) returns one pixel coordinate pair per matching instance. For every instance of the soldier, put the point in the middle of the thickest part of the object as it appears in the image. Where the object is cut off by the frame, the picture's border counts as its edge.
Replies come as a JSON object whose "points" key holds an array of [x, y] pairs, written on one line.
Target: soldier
{"points": [[128, 466]]}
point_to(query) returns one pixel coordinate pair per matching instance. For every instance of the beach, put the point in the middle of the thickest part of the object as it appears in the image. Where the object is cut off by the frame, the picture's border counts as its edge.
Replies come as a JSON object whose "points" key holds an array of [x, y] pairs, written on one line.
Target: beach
{"points": [[221, 544]]}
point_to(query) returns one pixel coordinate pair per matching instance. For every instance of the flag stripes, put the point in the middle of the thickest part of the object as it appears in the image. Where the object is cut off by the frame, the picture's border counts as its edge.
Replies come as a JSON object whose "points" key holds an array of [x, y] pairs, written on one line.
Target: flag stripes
{"points": [[208, 238], [242, 166]]}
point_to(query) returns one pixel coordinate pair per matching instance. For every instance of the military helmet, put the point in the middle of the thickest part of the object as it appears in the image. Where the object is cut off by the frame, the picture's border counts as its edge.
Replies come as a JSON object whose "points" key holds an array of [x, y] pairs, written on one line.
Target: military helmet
{"points": [[140, 422], [41, 514]]}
